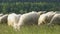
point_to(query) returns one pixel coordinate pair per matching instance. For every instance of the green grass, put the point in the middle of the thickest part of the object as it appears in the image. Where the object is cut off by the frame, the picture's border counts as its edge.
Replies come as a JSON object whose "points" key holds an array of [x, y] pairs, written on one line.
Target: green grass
{"points": [[4, 29]]}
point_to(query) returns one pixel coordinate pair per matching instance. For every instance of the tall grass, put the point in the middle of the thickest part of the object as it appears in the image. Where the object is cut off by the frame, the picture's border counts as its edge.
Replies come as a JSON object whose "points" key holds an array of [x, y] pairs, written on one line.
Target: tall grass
{"points": [[4, 29]]}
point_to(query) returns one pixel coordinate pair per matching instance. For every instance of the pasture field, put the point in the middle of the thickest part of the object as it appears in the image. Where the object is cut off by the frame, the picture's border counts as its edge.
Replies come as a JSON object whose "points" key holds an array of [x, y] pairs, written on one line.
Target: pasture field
{"points": [[4, 29]]}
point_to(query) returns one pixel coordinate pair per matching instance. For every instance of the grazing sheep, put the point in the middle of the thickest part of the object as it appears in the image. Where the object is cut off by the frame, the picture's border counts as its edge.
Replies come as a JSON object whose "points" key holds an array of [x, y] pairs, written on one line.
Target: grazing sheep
{"points": [[28, 19], [45, 18], [18, 16], [15, 24], [55, 19], [3, 19], [12, 18]]}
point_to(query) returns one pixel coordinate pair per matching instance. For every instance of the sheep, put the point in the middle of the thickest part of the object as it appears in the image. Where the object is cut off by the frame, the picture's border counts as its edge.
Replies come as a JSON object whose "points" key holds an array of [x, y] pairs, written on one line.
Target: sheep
{"points": [[18, 16], [30, 18], [15, 24], [12, 18], [3, 19], [45, 18], [55, 20]]}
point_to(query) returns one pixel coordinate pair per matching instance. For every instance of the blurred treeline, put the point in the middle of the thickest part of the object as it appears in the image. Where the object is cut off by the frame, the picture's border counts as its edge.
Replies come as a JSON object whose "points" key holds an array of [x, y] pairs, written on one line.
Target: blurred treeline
{"points": [[23, 7]]}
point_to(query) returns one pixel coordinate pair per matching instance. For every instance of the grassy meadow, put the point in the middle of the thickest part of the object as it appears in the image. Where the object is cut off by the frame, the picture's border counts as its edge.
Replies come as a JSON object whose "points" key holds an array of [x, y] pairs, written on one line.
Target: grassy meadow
{"points": [[4, 29]]}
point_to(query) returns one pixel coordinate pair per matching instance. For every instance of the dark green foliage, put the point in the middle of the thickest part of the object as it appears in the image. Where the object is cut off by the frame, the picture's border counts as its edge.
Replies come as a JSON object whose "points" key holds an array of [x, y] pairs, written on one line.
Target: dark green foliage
{"points": [[23, 7]]}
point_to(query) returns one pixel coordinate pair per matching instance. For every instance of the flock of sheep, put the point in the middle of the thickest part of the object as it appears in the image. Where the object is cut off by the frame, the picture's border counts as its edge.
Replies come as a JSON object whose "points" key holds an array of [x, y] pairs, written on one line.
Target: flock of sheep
{"points": [[32, 18]]}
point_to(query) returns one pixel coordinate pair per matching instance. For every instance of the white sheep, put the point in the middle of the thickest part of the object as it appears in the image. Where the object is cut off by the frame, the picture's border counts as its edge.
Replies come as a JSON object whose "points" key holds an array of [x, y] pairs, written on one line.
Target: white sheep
{"points": [[12, 18], [3, 19], [45, 18], [55, 19], [17, 20], [28, 19]]}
